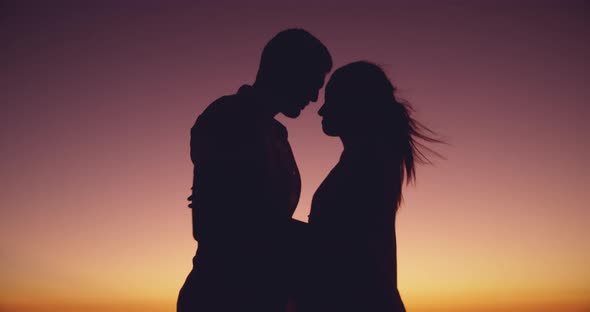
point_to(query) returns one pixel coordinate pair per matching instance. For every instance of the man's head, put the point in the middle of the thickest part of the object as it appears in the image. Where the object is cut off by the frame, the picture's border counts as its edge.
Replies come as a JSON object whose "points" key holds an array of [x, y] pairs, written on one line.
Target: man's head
{"points": [[293, 67]]}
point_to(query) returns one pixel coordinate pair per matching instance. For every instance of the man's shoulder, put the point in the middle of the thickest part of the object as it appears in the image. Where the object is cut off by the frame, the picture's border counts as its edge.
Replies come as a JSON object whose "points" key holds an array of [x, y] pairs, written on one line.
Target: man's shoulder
{"points": [[227, 113], [223, 108]]}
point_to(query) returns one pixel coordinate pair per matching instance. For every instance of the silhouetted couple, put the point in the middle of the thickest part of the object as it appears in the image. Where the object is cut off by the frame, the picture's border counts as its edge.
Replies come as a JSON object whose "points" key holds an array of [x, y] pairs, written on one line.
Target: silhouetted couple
{"points": [[252, 256]]}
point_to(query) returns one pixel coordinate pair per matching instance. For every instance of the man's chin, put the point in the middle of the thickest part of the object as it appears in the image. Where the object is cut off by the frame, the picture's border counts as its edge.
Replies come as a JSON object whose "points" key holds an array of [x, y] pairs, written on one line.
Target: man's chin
{"points": [[294, 113], [328, 131]]}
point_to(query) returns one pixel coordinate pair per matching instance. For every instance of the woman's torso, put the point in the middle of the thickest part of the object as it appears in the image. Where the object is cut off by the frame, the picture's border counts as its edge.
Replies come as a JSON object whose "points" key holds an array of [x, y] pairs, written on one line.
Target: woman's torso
{"points": [[353, 224]]}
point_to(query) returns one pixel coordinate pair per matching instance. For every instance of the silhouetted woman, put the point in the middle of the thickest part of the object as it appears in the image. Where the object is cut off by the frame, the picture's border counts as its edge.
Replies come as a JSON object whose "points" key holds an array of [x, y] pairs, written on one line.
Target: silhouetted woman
{"points": [[352, 218]]}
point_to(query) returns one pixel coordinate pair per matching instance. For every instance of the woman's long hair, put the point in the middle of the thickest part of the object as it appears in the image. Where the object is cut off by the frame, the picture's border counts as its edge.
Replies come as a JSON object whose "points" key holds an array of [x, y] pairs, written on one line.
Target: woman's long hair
{"points": [[390, 118]]}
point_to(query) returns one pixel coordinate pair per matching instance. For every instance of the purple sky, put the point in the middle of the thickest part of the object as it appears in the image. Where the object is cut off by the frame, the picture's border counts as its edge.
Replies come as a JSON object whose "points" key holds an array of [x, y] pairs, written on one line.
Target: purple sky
{"points": [[98, 99]]}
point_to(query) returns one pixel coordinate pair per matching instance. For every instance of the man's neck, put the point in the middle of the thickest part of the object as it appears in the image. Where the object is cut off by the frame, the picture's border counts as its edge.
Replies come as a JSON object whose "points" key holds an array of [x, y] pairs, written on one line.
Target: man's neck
{"points": [[266, 99]]}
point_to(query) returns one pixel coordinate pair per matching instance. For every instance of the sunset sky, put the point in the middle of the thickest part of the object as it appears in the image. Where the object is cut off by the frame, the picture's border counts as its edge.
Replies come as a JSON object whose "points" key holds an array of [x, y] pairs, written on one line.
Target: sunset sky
{"points": [[98, 97]]}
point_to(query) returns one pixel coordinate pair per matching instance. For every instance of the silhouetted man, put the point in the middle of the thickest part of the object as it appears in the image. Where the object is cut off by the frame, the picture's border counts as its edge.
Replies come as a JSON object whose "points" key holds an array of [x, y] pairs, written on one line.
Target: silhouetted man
{"points": [[246, 183]]}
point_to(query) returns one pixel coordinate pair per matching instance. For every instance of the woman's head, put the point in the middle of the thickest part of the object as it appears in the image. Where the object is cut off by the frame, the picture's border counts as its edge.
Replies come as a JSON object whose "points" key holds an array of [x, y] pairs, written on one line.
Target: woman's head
{"points": [[360, 103], [355, 97]]}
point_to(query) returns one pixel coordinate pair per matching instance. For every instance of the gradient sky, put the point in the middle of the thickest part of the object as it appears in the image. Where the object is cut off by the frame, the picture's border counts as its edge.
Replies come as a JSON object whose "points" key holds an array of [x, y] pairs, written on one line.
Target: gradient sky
{"points": [[98, 98]]}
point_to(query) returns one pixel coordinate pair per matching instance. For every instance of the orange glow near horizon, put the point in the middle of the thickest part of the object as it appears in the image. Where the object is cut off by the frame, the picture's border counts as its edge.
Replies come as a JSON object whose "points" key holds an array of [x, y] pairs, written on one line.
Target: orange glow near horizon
{"points": [[96, 170]]}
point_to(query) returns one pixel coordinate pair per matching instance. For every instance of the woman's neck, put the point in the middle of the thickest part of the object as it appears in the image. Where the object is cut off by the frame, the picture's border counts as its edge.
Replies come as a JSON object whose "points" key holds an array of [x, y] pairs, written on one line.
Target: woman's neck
{"points": [[361, 146]]}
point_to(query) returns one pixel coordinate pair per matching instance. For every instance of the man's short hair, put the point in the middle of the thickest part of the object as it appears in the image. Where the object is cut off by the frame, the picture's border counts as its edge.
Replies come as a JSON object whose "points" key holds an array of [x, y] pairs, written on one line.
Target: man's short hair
{"points": [[293, 49]]}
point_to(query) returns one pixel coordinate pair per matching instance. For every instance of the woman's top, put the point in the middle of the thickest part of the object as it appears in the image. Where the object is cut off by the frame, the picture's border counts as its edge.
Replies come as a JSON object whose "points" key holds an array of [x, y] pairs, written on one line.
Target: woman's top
{"points": [[352, 223]]}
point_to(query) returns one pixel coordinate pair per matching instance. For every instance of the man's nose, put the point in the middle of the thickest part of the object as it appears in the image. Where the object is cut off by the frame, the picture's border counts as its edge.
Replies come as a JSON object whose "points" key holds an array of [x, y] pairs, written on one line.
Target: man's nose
{"points": [[315, 95]]}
